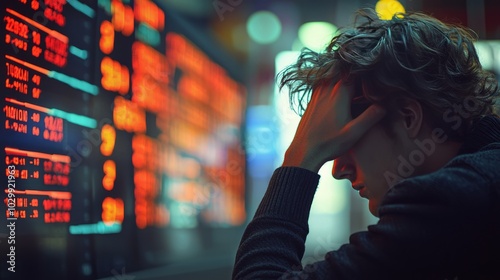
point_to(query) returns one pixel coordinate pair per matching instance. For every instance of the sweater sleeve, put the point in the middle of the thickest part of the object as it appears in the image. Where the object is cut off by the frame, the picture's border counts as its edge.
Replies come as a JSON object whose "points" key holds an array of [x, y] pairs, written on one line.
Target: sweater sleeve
{"points": [[430, 227], [273, 242]]}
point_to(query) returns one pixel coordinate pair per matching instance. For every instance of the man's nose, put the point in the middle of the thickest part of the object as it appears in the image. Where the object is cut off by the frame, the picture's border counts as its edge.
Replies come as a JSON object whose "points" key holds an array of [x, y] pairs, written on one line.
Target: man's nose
{"points": [[343, 169]]}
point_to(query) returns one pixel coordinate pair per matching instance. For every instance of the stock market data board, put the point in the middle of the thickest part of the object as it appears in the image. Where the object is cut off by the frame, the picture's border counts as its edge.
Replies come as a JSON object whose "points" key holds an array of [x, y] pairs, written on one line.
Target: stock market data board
{"points": [[121, 133]]}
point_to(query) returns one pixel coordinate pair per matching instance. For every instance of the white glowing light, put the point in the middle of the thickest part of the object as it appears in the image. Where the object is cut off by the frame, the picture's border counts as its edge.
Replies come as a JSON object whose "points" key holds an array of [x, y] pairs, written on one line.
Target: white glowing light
{"points": [[316, 35]]}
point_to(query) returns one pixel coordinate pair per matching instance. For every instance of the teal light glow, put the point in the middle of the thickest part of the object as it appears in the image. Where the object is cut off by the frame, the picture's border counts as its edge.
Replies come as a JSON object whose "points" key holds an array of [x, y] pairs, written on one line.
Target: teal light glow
{"points": [[74, 118], [83, 54], [106, 5], [147, 35], [264, 27], [84, 9], [316, 35], [97, 228], [74, 83]]}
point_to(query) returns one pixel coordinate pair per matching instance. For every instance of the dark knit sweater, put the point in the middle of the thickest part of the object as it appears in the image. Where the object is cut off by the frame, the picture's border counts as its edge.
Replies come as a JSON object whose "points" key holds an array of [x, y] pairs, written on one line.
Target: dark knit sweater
{"points": [[443, 225]]}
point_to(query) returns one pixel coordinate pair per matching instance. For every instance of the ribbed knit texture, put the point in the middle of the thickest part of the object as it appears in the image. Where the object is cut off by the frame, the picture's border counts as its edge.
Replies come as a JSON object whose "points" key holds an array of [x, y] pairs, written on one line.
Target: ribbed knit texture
{"points": [[291, 194], [485, 130]]}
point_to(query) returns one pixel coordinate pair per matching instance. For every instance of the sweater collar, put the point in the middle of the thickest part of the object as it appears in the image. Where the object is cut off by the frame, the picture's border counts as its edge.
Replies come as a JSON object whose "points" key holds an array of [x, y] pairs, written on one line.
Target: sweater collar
{"points": [[485, 130]]}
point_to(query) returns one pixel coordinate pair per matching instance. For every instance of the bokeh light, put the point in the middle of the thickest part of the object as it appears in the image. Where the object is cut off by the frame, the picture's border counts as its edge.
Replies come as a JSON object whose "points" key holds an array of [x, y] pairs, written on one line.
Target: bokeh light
{"points": [[264, 27], [386, 9], [316, 35]]}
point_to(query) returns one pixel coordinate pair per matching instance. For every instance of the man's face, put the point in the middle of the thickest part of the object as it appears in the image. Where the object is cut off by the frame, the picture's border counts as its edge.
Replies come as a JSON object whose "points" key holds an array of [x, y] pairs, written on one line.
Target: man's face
{"points": [[366, 163], [368, 160]]}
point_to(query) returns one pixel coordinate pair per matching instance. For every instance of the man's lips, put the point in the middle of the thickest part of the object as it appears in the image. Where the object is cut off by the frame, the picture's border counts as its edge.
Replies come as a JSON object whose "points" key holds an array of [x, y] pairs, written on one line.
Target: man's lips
{"points": [[361, 189]]}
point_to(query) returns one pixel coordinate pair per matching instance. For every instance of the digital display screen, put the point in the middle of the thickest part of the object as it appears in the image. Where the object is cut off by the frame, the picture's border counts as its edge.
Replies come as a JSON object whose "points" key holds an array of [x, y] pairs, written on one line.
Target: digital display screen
{"points": [[121, 139]]}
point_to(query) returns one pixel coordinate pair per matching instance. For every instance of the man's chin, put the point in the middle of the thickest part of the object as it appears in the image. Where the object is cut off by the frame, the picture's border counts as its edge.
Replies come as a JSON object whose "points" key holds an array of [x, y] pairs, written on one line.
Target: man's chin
{"points": [[373, 208]]}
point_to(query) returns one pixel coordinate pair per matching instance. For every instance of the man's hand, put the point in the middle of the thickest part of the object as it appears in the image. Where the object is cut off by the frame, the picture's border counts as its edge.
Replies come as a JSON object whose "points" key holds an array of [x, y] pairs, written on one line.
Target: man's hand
{"points": [[326, 130]]}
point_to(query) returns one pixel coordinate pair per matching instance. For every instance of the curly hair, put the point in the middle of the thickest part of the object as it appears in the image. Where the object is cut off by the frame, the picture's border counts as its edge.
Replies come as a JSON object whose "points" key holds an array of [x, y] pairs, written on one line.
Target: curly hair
{"points": [[413, 55]]}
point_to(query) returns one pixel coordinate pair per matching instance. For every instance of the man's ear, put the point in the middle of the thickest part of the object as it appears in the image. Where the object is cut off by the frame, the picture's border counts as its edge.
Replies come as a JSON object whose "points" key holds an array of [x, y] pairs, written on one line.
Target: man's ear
{"points": [[412, 117]]}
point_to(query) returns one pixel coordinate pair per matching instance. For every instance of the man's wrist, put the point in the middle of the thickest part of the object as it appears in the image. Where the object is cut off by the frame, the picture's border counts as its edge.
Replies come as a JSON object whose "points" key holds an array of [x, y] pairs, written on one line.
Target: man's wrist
{"points": [[303, 161]]}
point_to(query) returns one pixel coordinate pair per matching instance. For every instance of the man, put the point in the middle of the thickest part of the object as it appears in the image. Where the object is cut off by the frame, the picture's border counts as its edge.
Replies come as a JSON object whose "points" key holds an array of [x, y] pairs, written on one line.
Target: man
{"points": [[405, 110]]}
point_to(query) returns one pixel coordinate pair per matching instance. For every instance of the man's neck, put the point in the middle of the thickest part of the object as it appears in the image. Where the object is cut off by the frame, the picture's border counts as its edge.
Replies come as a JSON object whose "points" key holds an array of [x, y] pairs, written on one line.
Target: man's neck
{"points": [[441, 156]]}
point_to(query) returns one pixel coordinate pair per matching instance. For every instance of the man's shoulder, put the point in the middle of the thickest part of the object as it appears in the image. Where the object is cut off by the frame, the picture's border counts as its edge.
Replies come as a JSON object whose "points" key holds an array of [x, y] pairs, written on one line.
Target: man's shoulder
{"points": [[484, 163], [467, 179]]}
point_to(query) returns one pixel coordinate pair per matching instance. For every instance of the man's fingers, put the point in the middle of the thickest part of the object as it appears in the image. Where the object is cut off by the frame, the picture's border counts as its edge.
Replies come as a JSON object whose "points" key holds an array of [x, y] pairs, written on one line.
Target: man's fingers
{"points": [[358, 126], [342, 95]]}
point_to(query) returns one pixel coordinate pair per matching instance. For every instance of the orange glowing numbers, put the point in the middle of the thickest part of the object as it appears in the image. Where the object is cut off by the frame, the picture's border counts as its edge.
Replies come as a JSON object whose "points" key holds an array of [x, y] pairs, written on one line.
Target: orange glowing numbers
{"points": [[146, 59], [115, 77], [146, 190], [56, 217], [24, 174], [9, 213], [55, 180], [56, 204], [35, 117], [108, 136], [18, 28], [145, 152], [35, 131], [53, 123], [17, 72], [36, 79], [15, 113], [36, 92], [16, 85], [146, 185], [18, 127], [56, 52], [35, 5], [128, 116], [57, 5], [53, 11], [191, 60], [146, 11], [53, 129], [148, 213], [59, 168], [107, 41], [150, 78], [12, 160], [36, 51], [8, 172], [123, 18], [55, 16], [36, 37], [56, 45], [47, 166], [19, 44], [141, 211], [112, 210], [109, 169]]}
